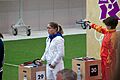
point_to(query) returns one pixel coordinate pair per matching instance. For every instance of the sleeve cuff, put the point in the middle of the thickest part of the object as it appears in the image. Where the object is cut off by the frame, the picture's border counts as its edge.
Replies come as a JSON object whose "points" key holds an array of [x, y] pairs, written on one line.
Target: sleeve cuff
{"points": [[42, 59], [53, 63], [92, 25]]}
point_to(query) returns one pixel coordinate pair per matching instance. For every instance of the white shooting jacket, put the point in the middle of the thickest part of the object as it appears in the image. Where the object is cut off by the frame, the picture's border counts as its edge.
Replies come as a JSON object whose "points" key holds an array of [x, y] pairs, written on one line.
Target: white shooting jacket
{"points": [[54, 51]]}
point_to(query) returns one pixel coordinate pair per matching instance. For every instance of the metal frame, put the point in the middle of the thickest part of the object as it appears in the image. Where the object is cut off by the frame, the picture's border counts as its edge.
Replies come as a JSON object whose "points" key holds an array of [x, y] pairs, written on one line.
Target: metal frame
{"points": [[20, 22]]}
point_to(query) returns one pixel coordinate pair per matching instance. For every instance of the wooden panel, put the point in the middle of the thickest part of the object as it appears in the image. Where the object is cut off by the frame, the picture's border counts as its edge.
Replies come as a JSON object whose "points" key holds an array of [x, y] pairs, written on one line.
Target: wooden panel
{"points": [[30, 72], [93, 13]]}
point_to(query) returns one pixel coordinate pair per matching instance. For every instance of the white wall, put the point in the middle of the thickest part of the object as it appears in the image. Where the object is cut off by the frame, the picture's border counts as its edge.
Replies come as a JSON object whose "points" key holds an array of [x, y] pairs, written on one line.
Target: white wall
{"points": [[38, 13]]}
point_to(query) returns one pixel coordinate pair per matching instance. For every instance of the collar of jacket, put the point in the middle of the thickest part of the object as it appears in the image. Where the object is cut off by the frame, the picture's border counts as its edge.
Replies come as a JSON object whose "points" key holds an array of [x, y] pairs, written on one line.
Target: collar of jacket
{"points": [[112, 30], [54, 35]]}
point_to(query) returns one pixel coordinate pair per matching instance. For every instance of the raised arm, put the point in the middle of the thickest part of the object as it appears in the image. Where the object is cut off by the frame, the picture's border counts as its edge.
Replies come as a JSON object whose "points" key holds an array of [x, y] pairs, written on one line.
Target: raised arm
{"points": [[98, 28]]}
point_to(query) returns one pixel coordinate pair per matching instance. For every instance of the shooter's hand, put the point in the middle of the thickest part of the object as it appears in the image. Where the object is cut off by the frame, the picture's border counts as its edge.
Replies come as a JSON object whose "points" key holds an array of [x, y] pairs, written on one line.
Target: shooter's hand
{"points": [[51, 66], [84, 23], [87, 22]]}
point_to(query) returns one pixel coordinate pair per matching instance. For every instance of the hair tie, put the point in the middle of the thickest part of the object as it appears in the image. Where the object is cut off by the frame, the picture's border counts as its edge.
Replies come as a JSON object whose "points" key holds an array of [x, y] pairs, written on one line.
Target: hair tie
{"points": [[58, 28]]}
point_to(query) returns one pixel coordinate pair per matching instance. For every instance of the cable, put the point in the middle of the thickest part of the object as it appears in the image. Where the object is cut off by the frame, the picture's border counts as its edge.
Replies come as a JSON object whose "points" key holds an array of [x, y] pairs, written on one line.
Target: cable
{"points": [[100, 38]]}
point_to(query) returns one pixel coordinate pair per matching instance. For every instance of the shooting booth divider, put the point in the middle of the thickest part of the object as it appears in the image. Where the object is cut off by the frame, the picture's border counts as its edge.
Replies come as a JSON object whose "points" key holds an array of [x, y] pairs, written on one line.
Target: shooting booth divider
{"points": [[94, 39]]}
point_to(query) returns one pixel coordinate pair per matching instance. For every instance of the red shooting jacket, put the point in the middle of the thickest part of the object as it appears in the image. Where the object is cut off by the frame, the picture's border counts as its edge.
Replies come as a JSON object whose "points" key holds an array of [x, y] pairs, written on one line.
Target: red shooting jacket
{"points": [[108, 47]]}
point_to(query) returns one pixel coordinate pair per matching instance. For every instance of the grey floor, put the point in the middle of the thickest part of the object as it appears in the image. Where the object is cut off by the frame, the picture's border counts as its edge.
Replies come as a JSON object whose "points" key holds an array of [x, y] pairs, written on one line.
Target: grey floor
{"points": [[40, 34]]}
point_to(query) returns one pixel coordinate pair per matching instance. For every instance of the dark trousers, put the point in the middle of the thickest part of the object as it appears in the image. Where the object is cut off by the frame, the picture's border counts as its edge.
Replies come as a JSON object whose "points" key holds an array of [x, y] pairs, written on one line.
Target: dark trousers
{"points": [[1, 75]]}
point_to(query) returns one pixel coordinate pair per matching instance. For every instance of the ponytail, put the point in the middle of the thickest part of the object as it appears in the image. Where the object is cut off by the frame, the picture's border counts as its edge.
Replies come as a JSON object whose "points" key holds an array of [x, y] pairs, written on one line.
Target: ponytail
{"points": [[1, 36], [60, 30]]}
